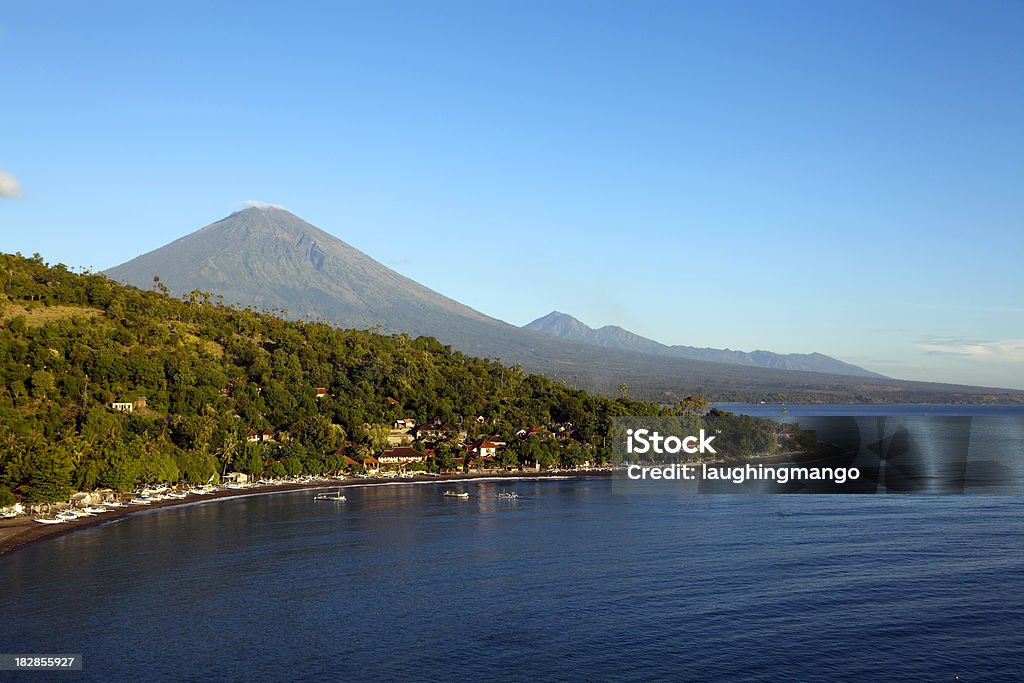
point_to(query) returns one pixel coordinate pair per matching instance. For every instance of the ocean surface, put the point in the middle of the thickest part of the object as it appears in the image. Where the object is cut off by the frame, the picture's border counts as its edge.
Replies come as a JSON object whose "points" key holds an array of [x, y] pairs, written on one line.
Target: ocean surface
{"points": [[568, 582]]}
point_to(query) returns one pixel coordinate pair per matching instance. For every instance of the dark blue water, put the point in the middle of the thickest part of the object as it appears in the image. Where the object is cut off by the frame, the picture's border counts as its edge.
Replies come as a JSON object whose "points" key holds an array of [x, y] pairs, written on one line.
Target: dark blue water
{"points": [[570, 582]]}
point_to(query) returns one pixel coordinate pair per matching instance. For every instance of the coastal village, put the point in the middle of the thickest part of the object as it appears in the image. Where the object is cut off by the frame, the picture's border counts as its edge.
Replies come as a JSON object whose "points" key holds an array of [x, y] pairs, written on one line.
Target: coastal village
{"points": [[113, 395], [413, 450], [432, 449]]}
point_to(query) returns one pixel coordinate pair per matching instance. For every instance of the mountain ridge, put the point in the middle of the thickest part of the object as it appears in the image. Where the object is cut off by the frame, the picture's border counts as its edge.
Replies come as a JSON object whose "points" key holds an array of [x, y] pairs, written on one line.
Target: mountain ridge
{"points": [[269, 258], [612, 336]]}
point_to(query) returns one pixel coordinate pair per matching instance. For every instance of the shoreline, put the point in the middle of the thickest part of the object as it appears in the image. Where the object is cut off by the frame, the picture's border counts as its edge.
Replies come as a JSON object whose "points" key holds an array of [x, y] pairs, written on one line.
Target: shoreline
{"points": [[20, 532]]}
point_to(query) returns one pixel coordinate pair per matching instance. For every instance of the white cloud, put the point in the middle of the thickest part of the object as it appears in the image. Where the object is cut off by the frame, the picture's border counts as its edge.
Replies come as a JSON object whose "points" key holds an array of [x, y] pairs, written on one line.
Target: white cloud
{"points": [[257, 204], [1004, 350], [9, 185]]}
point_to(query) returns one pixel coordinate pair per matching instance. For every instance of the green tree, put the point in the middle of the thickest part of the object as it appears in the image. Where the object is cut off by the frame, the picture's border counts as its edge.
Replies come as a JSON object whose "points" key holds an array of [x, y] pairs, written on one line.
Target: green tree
{"points": [[293, 466], [51, 482], [7, 498], [253, 460]]}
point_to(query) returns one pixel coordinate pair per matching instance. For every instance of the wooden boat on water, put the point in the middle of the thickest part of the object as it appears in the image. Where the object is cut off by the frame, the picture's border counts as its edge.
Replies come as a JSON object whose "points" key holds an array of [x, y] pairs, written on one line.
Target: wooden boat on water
{"points": [[456, 494], [509, 495], [330, 496]]}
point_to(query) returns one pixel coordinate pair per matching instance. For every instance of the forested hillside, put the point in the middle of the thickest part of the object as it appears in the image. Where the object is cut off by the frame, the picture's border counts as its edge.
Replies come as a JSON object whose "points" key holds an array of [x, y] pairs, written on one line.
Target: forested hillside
{"points": [[201, 375]]}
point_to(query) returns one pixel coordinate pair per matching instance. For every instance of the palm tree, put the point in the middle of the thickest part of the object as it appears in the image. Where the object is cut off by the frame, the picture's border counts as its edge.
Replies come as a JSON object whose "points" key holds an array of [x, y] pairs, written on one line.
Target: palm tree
{"points": [[227, 452]]}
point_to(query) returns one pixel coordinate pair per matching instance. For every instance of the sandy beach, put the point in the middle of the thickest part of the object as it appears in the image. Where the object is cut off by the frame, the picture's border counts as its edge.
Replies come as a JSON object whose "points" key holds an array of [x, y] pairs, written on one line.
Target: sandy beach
{"points": [[21, 531]]}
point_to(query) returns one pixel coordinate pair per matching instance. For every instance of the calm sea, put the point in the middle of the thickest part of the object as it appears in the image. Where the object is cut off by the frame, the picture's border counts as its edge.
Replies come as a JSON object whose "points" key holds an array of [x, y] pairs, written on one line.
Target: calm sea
{"points": [[568, 582]]}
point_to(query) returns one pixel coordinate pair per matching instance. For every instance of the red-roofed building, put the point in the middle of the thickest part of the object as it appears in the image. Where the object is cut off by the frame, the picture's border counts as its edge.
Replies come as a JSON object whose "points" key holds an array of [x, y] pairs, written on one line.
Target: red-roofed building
{"points": [[400, 457], [482, 449], [532, 431]]}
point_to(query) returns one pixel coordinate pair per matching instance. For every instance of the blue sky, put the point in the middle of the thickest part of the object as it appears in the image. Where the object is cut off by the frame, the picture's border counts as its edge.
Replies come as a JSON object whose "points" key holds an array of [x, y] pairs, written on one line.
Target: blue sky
{"points": [[842, 177]]}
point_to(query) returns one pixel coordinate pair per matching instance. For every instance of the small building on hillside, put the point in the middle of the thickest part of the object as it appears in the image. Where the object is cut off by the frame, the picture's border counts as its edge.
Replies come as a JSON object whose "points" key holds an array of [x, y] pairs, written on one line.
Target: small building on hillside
{"points": [[123, 407], [401, 432], [434, 431], [266, 436], [532, 432]]}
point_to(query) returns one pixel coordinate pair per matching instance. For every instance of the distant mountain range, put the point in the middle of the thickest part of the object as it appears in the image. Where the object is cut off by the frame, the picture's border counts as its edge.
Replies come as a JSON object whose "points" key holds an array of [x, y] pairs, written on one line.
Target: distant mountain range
{"points": [[614, 337], [271, 259]]}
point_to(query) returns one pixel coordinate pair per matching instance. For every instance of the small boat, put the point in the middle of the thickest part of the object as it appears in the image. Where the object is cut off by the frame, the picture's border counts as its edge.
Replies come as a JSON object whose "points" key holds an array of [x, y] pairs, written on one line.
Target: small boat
{"points": [[508, 494], [49, 520], [113, 504], [92, 510], [138, 500], [177, 494], [330, 496], [456, 494], [66, 516], [9, 515]]}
